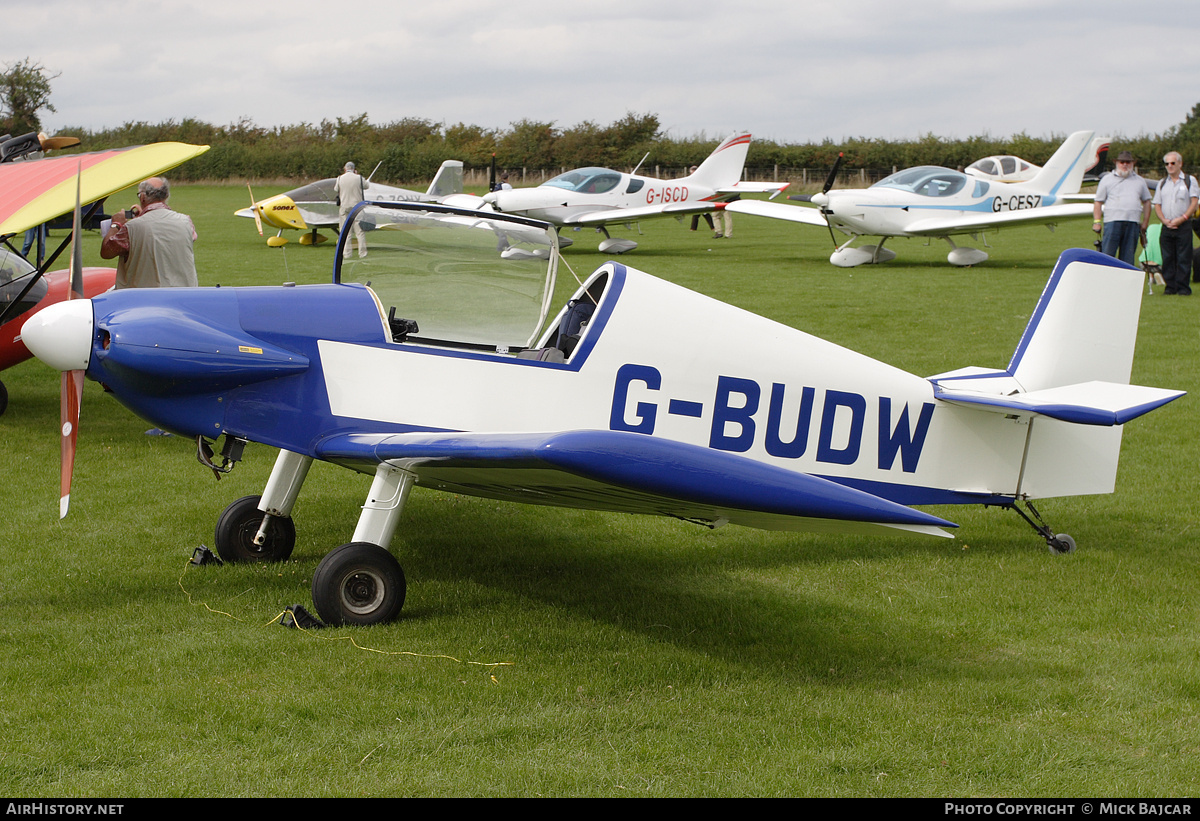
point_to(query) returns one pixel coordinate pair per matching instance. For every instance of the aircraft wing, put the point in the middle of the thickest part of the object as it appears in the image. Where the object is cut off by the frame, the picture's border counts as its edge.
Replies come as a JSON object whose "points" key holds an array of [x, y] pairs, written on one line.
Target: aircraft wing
{"points": [[970, 221], [772, 188], [779, 211], [629, 472], [615, 215], [35, 191]]}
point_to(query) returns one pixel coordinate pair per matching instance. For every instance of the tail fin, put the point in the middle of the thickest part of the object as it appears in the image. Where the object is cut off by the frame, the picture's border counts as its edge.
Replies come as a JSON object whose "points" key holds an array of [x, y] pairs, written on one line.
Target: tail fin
{"points": [[449, 180], [1063, 174], [1069, 378], [1085, 324], [1092, 172], [724, 166]]}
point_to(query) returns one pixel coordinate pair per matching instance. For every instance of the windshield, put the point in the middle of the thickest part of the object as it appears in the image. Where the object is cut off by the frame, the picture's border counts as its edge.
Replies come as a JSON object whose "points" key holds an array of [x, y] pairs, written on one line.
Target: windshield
{"points": [[925, 180], [15, 273], [320, 191], [586, 180], [464, 277]]}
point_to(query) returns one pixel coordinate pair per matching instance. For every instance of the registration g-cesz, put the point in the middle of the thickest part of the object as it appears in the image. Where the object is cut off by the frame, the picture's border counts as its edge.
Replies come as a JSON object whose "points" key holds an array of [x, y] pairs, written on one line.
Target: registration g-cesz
{"points": [[1016, 202]]}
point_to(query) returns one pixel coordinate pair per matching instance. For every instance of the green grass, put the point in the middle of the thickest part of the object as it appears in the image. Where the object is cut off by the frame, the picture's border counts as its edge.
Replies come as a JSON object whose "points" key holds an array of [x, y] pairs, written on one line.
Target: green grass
{"points": [[572, 653]]}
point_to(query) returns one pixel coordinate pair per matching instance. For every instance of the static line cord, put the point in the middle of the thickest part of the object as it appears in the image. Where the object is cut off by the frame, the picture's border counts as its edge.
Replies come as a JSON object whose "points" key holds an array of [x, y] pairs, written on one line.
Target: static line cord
{"points": [[276, 620]]}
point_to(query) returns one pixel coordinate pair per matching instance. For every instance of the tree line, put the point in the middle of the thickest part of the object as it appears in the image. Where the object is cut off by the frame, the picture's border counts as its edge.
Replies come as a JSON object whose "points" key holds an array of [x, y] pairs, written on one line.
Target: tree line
{"points": [[410, 150]]}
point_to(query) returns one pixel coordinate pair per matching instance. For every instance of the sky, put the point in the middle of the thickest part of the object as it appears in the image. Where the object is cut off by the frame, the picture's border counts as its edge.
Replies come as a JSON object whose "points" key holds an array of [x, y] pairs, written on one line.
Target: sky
{"points": [[791, 71]]}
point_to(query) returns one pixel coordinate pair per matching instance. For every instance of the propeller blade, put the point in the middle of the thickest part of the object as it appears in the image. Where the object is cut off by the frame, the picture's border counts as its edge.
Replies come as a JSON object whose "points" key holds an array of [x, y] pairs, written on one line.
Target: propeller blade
{"points": [[832, 178], [492, 175], [72, 399], [254, 209], [77, 241], [51, 143]]}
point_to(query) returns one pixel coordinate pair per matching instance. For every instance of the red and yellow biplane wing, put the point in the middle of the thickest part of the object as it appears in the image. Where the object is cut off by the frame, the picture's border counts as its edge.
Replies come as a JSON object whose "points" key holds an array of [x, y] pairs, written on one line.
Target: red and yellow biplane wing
{"points": [[36, 191]]}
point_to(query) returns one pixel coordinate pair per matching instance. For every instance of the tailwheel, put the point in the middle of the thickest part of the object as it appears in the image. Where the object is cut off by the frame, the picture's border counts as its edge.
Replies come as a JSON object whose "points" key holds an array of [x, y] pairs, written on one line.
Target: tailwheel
{"points": [[246, 534], [1061, 544], [358, 583]]}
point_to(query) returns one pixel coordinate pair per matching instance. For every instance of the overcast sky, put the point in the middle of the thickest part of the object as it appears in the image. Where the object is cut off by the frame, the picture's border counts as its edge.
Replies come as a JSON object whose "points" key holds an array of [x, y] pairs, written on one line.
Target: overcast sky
{"points": [[792, 71]]}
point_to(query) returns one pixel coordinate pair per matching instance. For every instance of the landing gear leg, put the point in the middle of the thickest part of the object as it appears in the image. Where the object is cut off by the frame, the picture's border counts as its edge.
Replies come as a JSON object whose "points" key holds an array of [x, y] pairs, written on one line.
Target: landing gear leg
{"points": [[260, 529], [1058, 543], [361, 582]]}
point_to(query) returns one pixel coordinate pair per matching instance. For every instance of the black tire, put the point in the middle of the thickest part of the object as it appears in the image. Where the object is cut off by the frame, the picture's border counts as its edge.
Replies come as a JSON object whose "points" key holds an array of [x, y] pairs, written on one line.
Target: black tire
{"points": [[1061, 544], [3, 399], [358, 583], [239, 524]]}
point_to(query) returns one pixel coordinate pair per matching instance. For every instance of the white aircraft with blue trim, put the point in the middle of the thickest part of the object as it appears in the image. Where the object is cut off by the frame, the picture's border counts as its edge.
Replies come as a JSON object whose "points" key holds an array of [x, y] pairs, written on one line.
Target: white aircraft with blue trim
{"points": [[599, 197], [940, 203], [430, 363]]}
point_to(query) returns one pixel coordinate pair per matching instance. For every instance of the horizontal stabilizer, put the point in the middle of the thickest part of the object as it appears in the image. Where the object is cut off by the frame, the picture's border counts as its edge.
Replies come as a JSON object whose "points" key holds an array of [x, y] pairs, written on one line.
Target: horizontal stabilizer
{"points": [[1088, 403], [630, 472]]}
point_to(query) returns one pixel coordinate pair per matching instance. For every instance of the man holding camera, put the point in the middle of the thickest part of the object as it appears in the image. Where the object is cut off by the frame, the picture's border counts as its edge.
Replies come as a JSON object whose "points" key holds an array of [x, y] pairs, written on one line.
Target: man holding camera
{"points": [[153, 244]]}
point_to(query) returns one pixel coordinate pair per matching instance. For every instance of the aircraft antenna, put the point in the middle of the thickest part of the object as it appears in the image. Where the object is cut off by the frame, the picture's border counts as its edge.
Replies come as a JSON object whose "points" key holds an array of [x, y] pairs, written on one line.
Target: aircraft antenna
{"points": [[374, 170], [639, 165]]}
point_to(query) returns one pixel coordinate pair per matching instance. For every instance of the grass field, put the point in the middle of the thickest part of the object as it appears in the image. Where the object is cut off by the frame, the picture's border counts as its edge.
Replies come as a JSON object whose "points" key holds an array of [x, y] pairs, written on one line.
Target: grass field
{"points": [[566, 653]]}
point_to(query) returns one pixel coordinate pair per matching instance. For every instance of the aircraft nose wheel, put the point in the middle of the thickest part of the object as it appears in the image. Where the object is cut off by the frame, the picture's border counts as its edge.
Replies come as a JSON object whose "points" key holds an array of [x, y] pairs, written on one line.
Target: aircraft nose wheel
{"points": [[238, 526], [358, 583]]}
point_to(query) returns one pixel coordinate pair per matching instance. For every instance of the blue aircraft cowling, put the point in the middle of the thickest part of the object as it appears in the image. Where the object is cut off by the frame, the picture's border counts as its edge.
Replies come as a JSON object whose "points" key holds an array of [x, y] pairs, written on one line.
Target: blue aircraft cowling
{"points": [[187, 359]]}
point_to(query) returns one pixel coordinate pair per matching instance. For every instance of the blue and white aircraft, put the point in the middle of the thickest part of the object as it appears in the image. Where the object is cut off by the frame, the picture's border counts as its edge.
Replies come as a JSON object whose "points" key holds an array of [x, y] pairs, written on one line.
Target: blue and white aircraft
{"points": [[928, 201], [431, 363]]}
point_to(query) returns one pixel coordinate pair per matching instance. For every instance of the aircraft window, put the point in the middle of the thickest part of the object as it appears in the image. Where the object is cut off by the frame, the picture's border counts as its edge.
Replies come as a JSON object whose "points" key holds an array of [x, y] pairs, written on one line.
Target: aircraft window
{"points": [[981, 188], [15, 272], [321, 191], [635, 186], [987, 166], [1009, 164], [926, 180], [586, 180], [571, 325], [462, 278]]}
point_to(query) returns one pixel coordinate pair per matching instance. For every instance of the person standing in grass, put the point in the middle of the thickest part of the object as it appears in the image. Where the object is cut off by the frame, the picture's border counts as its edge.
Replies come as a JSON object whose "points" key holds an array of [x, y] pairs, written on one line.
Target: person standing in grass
{"points": [[1124, 198], [1175, 203], [351, 188]]}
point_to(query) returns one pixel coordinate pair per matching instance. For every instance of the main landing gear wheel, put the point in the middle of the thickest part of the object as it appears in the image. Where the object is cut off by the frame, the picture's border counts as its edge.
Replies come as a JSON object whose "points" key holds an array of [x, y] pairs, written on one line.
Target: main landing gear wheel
{"points": [[238, 526], [3, 398], [358, 583], [1061, 544]]}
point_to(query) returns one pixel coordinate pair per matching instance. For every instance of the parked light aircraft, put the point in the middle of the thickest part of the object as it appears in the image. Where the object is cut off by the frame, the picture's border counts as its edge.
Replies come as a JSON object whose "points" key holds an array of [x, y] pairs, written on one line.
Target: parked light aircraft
{"points": [[430, 363], [1007, 168], [928, 201], [34, 191], [314, 206], [601, 197]]}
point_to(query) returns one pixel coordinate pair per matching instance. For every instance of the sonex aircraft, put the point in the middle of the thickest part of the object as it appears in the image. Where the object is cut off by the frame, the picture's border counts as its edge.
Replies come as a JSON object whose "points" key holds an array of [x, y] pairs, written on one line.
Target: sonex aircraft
{"points": [[314, 206], [600, 197], [34, 191], [928, 201], [430, 363]]}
